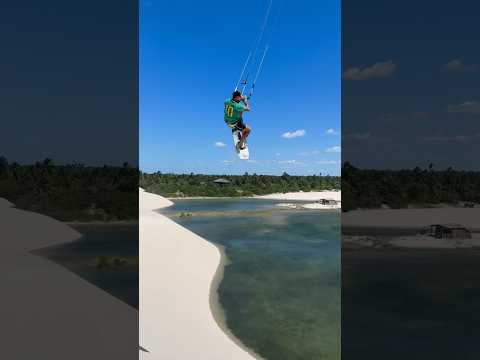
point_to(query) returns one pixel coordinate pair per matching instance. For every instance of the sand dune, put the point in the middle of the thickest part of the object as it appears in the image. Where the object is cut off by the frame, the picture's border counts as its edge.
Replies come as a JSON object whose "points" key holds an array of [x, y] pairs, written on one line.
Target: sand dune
{"points": [[48, 312], [177, 268]]}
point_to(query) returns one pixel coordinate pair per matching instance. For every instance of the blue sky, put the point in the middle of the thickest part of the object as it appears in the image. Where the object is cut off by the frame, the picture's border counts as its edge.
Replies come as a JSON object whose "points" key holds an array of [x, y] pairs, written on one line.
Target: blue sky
{"points": [[410, 91], [191, 55], [69, 90]]}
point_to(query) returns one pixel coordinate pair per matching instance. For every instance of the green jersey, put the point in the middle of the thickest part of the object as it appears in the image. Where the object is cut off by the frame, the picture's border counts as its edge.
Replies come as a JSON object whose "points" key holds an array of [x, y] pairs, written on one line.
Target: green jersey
{"points": [[233, 111]]}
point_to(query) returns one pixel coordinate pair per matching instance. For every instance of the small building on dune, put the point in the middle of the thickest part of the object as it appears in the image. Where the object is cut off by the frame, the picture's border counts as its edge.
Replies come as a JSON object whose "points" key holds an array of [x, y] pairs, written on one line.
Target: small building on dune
{"points": [[327, 202], [447, 231], [222, 182]]}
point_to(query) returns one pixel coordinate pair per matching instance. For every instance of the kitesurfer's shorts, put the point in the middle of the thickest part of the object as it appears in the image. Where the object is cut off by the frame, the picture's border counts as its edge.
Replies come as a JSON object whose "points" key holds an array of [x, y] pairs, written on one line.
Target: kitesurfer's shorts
{"points": [[239, 125]]}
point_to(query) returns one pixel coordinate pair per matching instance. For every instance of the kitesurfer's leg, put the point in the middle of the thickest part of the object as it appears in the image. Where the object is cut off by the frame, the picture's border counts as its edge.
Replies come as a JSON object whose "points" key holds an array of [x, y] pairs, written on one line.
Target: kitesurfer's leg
{"points": [[240, 125], [245, 133]]}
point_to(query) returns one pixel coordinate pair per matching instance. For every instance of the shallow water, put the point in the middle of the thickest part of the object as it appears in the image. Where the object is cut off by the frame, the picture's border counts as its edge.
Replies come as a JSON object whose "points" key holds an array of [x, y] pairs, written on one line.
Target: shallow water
{"points": [[227, 204], [281, 289], [426, 299], [110, 242]]}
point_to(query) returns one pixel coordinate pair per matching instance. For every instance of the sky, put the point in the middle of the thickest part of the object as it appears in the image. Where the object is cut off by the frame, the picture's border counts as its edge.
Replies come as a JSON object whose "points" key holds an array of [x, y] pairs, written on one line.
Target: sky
{"points": [[191, 55], [410, 93], [69, 91]]}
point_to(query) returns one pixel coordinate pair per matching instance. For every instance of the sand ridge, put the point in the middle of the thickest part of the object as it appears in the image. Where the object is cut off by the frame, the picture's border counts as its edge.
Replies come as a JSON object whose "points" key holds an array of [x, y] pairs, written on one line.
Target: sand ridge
{"points": [[50, 312], [177, 268]]}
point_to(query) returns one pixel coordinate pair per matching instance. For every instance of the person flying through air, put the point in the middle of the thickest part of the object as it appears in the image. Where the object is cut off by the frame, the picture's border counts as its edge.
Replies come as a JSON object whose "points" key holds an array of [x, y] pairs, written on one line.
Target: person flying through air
{"points": [[234, 108]]}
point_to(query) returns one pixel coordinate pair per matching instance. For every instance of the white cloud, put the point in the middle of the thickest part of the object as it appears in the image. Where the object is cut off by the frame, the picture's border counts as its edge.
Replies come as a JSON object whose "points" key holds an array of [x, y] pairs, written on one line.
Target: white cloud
{"points": [[332, 132], [333, 149], [457, 65], [357, 136], [219, 144], [377, 70], [452, 138], [290, 162], [309, 153], [286, 161], [328, 162], [364, 138], [472, 107], [294, 134]]}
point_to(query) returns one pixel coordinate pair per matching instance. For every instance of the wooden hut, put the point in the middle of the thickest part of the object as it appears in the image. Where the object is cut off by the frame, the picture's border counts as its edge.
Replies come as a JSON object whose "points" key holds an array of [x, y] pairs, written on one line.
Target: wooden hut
{"points": [[447, 231], [221, 182], [327, 202]]}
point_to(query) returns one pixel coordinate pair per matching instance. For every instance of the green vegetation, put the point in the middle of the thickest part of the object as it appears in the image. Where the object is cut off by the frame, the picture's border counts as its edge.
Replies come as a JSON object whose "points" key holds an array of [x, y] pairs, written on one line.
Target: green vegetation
{"points": [[175, 185], [104, 262], [185, 214], [401, 188], [72, 192]]}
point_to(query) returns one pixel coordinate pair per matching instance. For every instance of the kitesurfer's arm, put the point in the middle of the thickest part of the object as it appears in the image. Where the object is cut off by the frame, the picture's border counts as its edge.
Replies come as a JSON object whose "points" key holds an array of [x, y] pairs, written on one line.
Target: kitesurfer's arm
{"points": [[245, 101]]}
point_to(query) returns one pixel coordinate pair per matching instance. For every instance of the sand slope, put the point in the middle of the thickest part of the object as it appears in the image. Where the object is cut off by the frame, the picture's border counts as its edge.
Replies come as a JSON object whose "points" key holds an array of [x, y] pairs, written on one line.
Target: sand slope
{"points": [[48, 312], [176, 271]]}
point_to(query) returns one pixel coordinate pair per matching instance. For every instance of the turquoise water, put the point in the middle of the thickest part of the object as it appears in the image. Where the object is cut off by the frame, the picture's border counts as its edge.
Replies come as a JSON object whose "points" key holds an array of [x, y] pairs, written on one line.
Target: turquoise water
{"points": [[281, 289], [227, 204]]}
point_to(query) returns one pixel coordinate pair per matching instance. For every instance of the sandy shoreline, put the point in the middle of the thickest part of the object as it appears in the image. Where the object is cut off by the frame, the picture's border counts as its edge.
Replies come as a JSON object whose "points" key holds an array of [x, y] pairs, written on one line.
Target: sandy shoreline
{"points": [[206, 197], [215, 307], [101, 223], [291, 196], [303, 196], [187, 323], [400, 228]]}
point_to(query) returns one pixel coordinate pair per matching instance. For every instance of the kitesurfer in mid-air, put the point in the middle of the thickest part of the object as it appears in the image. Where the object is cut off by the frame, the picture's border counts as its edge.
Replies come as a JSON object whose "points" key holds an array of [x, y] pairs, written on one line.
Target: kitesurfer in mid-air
{"points": [[234, 108]]}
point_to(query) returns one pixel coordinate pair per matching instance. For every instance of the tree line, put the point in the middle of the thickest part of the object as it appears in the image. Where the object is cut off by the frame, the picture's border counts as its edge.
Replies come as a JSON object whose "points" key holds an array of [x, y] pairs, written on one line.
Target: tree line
{"points": [[76, 192], [364, 188], [71, 192], [85, 193], [183, 185]]}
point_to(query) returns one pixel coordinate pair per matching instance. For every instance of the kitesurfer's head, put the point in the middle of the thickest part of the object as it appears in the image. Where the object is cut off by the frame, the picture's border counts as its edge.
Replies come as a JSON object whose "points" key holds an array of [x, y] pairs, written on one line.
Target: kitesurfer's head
{"points": [[237, 96]]}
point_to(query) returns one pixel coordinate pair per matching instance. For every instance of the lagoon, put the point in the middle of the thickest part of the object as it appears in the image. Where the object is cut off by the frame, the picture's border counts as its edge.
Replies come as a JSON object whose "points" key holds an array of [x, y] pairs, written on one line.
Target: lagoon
{"points": [[102, 244], [281, 285]]}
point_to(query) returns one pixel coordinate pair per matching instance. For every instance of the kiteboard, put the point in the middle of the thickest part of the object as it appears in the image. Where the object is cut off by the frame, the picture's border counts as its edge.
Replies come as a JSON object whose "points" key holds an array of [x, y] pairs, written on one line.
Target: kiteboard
{"points": [[243, 154]]}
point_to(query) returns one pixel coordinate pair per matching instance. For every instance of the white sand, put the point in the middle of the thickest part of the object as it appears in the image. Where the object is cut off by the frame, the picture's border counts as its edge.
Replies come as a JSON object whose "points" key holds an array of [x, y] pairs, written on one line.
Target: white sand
{"points": [[428, 242], [177, 268], [414, 242], [317, 206], [309, 206], [304, 196], [47, 311], [412, 218]]}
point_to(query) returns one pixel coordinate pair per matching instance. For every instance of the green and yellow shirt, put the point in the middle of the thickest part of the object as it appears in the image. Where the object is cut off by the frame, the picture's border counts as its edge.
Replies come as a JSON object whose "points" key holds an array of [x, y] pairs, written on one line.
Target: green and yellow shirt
{"points": [[233, 111]]}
